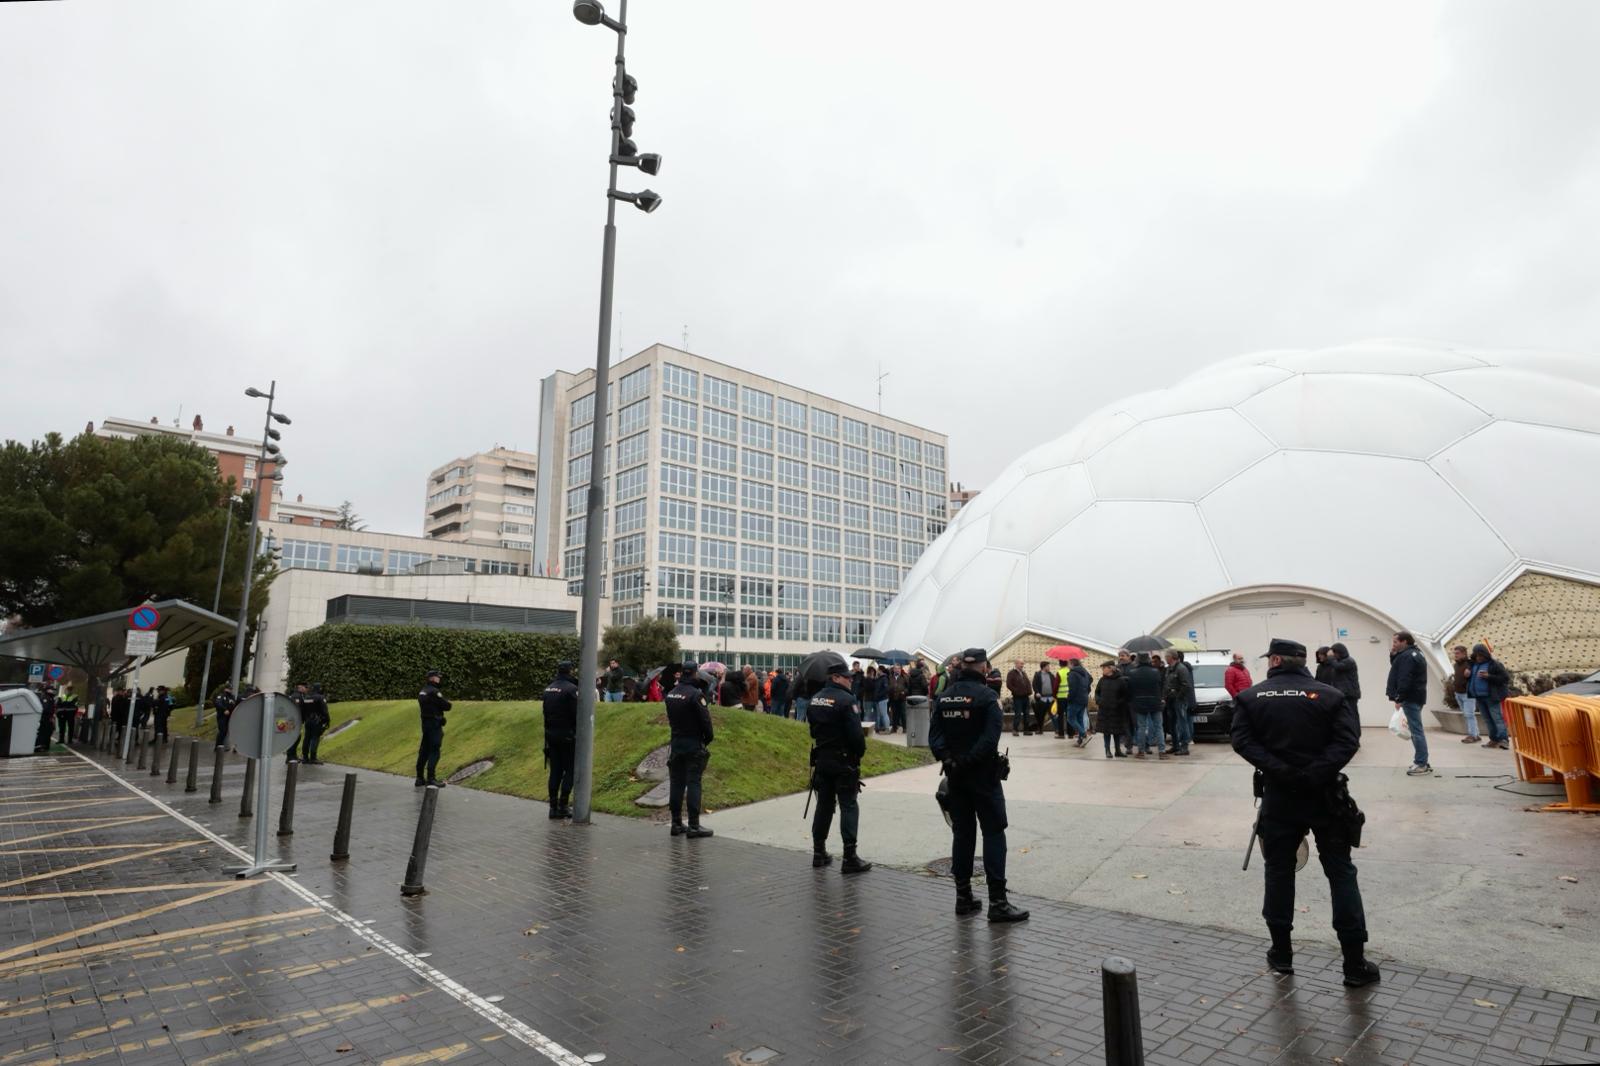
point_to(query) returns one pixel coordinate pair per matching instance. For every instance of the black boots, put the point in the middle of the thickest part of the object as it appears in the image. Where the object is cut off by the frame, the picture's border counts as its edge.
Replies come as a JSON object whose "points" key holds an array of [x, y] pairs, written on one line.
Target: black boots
{"points": [[1000, 910], [1280, 957], [965, 902], [1357, 970], [852, 862], [820, 858], [698, 831], [557, 812], [678, 829]]}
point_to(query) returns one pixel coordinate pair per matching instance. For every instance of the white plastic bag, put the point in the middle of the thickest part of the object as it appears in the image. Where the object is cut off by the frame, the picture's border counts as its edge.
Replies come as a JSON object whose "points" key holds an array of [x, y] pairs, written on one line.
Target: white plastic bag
{"points": [[1398, 725]]}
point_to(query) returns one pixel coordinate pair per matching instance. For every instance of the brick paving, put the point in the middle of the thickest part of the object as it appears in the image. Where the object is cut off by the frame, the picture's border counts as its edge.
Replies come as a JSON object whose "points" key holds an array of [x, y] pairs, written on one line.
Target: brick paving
{"points": [[619, 939]]}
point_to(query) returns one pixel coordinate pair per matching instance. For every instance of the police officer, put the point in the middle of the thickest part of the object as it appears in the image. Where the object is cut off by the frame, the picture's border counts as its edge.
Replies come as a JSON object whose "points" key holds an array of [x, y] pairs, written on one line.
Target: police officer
{"points": [[433, 705], [66, 713], [964, 733], [301, 698], [163, 710], [837, 747], [225, 702], [315, 724], [560, 738], [690, 720], [1299, 733]]}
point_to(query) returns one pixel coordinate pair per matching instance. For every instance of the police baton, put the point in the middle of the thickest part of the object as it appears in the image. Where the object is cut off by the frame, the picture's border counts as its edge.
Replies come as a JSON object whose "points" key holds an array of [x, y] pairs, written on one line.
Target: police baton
{"points": [[1255, 831], [811, 786]]}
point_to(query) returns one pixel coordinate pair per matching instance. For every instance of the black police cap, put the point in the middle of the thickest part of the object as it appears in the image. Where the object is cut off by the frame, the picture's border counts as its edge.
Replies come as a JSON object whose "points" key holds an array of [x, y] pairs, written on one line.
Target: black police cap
{"points": [[433, 673], [1289, 648], [564, 666], [974, 655]]}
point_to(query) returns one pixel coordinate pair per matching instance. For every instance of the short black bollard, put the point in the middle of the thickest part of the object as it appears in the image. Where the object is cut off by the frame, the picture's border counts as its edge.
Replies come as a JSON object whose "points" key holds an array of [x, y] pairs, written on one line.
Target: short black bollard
{"points": [[138, 739], [172, 763], [286, 815], [155, 755], [248, 797], [419, 847], [142, 748], [1119, 987], [216, 776], [341, 836], [192, 782]]}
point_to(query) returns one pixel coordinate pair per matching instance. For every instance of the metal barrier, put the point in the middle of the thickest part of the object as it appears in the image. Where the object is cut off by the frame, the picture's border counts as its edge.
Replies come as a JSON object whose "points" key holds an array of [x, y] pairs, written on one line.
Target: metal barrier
{"points": [[1561, 732]]}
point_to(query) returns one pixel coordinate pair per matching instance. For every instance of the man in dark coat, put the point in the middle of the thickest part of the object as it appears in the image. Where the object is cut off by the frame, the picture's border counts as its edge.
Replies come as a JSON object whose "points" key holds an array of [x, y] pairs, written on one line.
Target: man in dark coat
{"points": [[1179, 701], [432, 705], [225, 702], [1345, 676], [1021, 696], [1145, 698], [780, 693], [316, 724], [1079, 681], [1408, 690], [687, 754], [1324, 671], [1111, 704], [1044, 695], [1488, 683], [560, 701], [838, 744]]}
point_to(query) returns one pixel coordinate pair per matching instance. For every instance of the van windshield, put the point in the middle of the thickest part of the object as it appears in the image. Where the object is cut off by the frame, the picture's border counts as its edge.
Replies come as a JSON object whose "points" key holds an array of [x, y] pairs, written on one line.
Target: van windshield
{"points": [[1209, 676]]}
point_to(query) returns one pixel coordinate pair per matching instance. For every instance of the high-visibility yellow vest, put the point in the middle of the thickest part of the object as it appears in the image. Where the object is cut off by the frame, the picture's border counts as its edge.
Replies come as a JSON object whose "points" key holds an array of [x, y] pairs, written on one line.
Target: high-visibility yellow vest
{"points": [[1061, 682]]}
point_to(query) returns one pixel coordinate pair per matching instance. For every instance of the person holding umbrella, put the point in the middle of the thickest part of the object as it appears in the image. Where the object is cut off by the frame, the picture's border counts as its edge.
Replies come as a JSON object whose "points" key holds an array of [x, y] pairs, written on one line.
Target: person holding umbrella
{"points": [[838, 744]]}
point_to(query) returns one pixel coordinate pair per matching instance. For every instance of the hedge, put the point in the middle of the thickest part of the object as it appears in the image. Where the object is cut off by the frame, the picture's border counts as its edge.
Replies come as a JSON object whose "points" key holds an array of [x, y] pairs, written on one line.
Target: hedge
{"points": [[361, 662]]}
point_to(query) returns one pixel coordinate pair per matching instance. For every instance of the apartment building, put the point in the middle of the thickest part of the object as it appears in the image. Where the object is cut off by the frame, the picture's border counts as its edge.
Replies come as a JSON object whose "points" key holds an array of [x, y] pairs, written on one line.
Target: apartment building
{"points": [[300, 513], [764, 519], [487, 499], [236, 456]]}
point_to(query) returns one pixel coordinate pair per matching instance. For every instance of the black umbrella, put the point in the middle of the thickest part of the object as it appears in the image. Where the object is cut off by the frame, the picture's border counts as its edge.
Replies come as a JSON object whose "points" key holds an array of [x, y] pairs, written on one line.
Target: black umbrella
{"points": [[896, 657], [653, 674], [1147, 643], [866, 653], [815, 669]]}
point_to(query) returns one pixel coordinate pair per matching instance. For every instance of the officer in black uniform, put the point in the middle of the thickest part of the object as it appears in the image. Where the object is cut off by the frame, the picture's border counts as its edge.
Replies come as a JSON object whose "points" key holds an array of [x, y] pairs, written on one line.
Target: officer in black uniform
{"points": [[301, 698], [162, 710], [560, 738], [690, 720], [315, 724], [433, 706], [964, 733], [225, 702], [837, 747], [1299, 733]]}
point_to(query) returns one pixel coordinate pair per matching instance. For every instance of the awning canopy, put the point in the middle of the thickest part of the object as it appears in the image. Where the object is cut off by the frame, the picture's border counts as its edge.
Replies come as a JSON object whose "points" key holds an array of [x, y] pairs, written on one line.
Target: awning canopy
{"points": [[95, 644]]}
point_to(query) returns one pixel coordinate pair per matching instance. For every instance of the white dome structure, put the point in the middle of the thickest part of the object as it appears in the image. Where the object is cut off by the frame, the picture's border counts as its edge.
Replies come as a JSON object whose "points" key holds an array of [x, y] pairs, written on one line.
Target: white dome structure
{"points": [[1397, 484]]}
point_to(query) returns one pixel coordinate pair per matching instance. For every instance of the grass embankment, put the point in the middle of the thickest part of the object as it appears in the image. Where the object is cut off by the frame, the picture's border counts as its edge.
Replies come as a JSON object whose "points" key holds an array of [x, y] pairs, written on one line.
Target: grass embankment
{"points": [[754, 757]]}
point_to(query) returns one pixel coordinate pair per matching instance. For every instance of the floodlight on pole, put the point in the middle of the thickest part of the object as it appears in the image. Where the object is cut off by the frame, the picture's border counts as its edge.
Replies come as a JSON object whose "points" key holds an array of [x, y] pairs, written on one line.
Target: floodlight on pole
{"points": [[254, 393], [282, 420], [646, 201]]}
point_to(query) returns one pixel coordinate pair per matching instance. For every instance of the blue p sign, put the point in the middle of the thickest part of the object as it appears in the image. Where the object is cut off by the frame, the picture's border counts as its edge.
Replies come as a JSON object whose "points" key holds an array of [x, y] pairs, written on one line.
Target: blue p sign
{"points": [[144, 618]]}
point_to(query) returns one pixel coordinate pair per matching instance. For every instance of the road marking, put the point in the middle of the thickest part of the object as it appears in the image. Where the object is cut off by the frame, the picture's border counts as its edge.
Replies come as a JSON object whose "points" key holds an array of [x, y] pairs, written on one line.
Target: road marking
{"points": [[91, 847], [511, 1025], [110, 923], [119, 891], [57, 957], [443, 1054], [65, 806], [109, 823], [102, 862]]}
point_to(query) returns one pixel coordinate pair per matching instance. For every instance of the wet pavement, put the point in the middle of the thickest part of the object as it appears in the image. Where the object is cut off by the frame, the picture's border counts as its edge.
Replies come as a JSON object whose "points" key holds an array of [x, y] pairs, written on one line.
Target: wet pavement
{"points": [[540, 941]]}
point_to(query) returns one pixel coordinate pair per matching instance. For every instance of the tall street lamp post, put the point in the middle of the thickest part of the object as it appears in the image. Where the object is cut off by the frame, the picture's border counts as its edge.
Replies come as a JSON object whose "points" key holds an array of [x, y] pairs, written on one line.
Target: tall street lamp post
{"points": [[623, 153], [216, 605], [269, 453]]}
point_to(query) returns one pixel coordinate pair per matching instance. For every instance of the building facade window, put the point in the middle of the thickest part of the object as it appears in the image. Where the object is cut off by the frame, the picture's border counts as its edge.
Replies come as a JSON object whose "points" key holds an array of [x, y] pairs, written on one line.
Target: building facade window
{"points": [[682, 617], [351, 558], [719, 488], [793, 563], [792, 502], [582, 412], [755, 624], [794, 534], [823, 481], [824, 423], [718, 521], [754, 559], [717, 554], [855, 432], [677, 480], [679, 447], [634, 385], [635, 482], [826, 568], [857, 487], [626, 615], [855, 459], [826, 630], [911, 500], [792, 442], [886, 549], [627, 585], [857, 572], [794, 627], [755, 496], [910, 551], [578, 470], [886, 576], [679, 414], [825, 539], [633, 418], [792, 472], [857, 516], [825, 599], [716, 456], [857, 601], [719, 393], [756, 435], [629, 550], [580, 440], [756, 404], [884, 520], [673, 583], [399, 562], [756, 526], [933, 456], [755, 591], [630, 516], [675, 514], [825, 509], [883, 466], [716, 621], [910, 449], [676, 548], [883, 440], [824, 451], [717, 588], [722, 425], [755, 464], [680, 381], [791, 413]]}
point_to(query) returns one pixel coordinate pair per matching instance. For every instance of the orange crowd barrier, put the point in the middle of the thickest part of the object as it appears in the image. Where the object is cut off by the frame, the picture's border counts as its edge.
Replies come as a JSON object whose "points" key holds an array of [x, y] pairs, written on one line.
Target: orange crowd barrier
{"points": [[1562, 732]]}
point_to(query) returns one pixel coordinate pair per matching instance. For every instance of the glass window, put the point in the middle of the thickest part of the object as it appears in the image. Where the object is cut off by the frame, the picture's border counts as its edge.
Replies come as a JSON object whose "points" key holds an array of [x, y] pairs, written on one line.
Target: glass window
{"points": [[756, 464], [628, 551], [398, 562], [883, 466], [886, 549], [857, 601], [755, 591], [757, 404], [884, 493], [628, 585], [827, 568], [826, 631], [825, 539], [351, 557], [675, 514], [579, 441], [886, 576], [633, 450], [791, 442], [793, 595], [716, 621], [717, 588], [678, 480], [911, 500], [793, 564], [578, 499], [824, 509], [718, 521], [824, 480], [630, 516], [673, 583], [754, 559], [856, 487], [679, 381], [857, 544], [755, 496], [755, 526], [633, 418], [722, 425], [937, 506], [682, 617], [882, 440], [857, 572], [791, 413], [635, 482], [824, 451], [912, 527], [794, 627], [933, 455], [911, 474], [884, 521], [791, 502], [634, 385], [678, 413], [717, 554], [910, 448], [858, 515], [855, 459], [826, 600], [675, 548], [679, 447], [578, 469], [719, 488], [856, 630], [719, 393], [855, 432], [583, 410], [824, 423], [793, 533], [910, 551], [720, 456], [756, 435], [575, 530], [792, 472], [756, 624]]}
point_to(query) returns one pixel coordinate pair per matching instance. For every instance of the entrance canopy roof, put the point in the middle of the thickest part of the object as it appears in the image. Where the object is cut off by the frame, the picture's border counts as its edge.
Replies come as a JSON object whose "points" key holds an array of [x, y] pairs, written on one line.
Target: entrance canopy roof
{"points": [[95, 644]]}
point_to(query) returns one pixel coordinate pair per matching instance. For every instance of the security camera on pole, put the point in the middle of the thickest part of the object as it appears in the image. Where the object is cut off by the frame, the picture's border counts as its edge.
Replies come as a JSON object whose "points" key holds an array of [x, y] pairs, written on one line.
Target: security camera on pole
{"points": [[623, 153]]}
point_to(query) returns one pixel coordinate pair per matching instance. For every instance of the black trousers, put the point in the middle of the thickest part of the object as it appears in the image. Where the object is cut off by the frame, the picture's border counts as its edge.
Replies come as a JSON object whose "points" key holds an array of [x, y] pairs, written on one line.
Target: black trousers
{"points": [[562, 754], [977, 804], [223, 718], [162, 714], [1061, 718], [897, 713], [64, 724], [684, 771], [311, 738], [428, 751], [837, 785], [1285, 819]]}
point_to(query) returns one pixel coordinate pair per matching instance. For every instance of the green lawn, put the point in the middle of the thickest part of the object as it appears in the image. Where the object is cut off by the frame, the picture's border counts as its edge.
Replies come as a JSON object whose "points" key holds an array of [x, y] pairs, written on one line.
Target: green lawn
{"points": [[755, 756]]}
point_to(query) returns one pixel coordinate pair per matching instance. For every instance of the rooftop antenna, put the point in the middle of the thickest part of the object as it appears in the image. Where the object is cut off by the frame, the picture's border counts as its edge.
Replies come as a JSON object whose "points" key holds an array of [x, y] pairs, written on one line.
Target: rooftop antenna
{"points": [[178, 419], [882, 373], [686, 336]]}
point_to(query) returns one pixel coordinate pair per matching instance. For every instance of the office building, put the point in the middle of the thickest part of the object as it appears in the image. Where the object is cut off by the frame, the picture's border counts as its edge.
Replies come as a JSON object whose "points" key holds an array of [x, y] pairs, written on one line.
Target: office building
{"points": [[300, 513], [487, 498], [764, 519]]}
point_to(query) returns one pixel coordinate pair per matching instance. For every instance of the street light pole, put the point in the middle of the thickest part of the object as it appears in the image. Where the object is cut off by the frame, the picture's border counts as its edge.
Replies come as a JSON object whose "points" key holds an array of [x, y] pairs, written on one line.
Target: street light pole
{"points": [[623, 153], [216, 605], [255, 521]]}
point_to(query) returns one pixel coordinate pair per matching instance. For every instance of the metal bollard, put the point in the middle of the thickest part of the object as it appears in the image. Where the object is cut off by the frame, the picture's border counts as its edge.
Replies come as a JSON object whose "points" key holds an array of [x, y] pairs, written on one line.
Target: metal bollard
{"points": [[155, 756], [192, 783], [138, 740], [172, 763], [286, 815], [247, 800], [341, 836], [419, 847], [142, 748], [216, 775], [1119, 988]]}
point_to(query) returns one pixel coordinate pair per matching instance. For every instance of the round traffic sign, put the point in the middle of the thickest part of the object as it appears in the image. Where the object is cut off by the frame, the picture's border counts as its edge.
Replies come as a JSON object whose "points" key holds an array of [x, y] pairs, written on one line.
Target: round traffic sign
{"points": [[56, 672], [145, 617], [244, 727]]}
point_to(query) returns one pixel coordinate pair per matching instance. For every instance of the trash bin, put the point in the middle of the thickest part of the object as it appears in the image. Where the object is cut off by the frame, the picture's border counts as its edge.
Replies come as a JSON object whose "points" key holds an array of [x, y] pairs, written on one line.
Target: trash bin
{"points": [[20, 711], [917, 711]]}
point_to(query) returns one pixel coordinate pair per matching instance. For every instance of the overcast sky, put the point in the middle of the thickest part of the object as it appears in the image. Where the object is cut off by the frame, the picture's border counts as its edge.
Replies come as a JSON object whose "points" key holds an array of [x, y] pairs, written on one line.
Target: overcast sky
{"points": [[394, 206]]}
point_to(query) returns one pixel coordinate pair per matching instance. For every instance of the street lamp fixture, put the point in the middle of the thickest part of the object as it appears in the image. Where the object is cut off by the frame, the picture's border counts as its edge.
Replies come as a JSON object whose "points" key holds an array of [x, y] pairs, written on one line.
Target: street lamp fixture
{"points": [[593, 13], [254, 393], [282, 420], [646, 201]]}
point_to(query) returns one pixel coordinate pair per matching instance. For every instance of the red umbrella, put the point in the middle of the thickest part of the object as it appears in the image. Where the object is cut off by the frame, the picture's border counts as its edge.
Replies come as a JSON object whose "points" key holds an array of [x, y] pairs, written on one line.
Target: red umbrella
{"points": [[1063, 652]]}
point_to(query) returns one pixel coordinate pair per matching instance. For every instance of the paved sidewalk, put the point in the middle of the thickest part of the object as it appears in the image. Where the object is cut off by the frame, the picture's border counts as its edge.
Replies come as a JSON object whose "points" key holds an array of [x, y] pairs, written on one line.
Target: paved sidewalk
{"points": [[620, 940]]}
